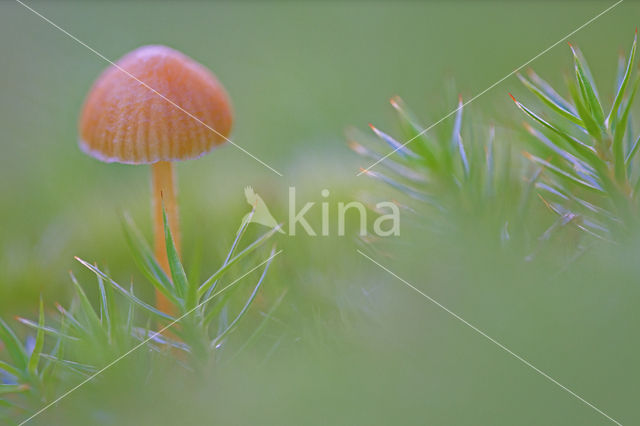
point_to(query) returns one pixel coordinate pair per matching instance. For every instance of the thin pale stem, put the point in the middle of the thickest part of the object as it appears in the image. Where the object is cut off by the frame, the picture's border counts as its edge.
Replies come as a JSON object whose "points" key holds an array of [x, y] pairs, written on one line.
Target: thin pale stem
{"points": [[164, 193]]}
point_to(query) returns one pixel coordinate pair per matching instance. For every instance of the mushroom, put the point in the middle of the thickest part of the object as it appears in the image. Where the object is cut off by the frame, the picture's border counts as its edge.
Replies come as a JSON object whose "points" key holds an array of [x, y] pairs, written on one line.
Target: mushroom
{"points": [[155, 106]]}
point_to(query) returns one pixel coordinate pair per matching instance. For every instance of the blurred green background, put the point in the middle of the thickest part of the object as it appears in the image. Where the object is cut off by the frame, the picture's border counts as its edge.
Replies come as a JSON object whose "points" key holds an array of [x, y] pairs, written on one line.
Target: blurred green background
{"points": [[353, 345]]}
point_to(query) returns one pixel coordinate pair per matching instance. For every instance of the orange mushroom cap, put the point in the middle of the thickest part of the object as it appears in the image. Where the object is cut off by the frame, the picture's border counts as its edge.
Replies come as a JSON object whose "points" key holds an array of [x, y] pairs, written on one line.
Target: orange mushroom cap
{"points": [[124, 121]]}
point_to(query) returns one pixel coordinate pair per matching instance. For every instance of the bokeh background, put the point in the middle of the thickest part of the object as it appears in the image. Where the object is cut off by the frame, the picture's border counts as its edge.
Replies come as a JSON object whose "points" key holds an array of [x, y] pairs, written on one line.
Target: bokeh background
{"points": [[352, 345]]}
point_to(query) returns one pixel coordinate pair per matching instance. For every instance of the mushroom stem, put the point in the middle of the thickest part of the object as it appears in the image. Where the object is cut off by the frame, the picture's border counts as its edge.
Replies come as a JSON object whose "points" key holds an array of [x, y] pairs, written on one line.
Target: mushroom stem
{"points": [[164, 193]]}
